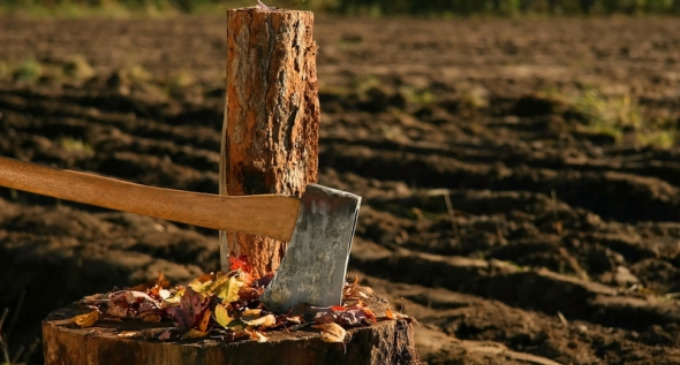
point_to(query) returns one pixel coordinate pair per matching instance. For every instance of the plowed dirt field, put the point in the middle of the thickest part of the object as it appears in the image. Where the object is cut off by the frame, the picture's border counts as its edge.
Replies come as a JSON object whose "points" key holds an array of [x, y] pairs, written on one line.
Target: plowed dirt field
{"points": [[521, 191]]}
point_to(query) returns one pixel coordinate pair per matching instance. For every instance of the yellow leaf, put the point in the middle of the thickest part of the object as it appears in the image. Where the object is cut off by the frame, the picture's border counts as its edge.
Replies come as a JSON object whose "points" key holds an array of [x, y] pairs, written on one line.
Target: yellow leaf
{"points": [[86, 319], [332, 332], [222, 316], [217, 285], [249, 314], [200, 286], [229, 292], [174, 298]]}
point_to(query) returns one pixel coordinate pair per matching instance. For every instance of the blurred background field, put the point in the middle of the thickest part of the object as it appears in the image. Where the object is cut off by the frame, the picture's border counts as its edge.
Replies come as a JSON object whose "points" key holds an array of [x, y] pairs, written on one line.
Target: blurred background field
{"points": [[376, 8]]}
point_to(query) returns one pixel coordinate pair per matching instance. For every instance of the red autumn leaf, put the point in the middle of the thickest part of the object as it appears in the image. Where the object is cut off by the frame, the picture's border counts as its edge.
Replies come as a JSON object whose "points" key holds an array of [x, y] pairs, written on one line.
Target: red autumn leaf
{"points": [[240, 263]]}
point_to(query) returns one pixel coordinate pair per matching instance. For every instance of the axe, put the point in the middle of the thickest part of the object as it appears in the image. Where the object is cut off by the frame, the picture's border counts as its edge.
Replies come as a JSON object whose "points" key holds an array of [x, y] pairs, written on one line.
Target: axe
{"points": [[318, 227]]}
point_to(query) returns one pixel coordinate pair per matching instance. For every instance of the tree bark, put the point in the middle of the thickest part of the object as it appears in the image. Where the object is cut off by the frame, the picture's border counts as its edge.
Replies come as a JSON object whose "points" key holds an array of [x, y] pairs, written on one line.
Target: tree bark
{"points": [[271, 119]]}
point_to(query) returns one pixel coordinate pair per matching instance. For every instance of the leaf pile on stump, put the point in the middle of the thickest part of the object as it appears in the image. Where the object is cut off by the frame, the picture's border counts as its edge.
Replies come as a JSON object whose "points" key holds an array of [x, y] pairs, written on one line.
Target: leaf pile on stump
{"points": [[226, 306]]}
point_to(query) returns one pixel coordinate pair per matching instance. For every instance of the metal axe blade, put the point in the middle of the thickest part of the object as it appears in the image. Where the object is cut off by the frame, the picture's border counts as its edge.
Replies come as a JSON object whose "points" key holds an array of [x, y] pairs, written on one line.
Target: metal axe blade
{"points": [[315, 264]]}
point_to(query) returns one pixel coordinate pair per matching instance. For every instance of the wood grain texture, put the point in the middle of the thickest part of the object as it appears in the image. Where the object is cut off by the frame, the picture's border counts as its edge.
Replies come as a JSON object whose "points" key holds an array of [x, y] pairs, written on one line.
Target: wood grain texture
{"points": [[271, 121], [273, 216], [114, 343]]}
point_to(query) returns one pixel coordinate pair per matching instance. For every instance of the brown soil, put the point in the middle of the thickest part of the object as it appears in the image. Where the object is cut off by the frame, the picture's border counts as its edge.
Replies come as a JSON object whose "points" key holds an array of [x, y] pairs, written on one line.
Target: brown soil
{"points": [[559, 246]]}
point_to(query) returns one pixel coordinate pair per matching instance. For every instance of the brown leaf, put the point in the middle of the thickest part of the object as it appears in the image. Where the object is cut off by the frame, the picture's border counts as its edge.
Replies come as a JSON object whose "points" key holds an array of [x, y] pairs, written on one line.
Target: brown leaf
{"points": [[332, 332], [205, 321], [161, 281], [150, 317]]}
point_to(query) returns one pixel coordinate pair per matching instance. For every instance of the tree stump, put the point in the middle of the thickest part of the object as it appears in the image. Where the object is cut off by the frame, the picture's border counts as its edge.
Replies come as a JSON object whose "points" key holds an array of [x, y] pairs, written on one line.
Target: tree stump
{"points": [[129, 343], [271, 120], [269, 145]]}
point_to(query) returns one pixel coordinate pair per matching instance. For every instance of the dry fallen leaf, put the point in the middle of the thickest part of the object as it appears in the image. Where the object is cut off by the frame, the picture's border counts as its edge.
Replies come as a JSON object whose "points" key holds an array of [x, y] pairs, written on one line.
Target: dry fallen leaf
{"points": [[222, 316], [263, 322], [252, 313], [150, 317], [162, 281], [257, 336], [200, 286], [190, 312], [205, 321], [295, 319], [86, 319], [332, 332], [229, 291]]}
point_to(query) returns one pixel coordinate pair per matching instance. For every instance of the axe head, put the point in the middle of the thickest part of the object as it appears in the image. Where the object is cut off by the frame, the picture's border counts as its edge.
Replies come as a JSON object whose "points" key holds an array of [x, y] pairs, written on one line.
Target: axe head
{"points": [[313, 269]]}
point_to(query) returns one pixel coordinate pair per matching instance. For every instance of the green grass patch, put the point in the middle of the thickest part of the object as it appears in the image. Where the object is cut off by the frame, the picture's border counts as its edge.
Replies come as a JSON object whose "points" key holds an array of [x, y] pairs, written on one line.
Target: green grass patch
{"points": [[622, 118], [29, 70], [76, 146]]}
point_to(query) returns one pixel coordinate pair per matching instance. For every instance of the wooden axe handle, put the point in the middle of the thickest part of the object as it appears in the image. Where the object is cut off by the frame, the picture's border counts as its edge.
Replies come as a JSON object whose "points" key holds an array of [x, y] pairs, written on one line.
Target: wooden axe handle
{"points": [[269, 215]]}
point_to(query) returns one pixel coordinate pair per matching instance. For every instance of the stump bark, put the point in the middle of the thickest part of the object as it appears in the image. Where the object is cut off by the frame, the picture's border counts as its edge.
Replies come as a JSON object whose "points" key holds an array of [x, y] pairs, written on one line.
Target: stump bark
{"points": [[271, 119], [130, 343]]}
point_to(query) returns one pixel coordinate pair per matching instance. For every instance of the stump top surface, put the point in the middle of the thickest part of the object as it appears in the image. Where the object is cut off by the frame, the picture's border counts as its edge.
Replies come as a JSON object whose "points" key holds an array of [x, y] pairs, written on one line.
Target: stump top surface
{"points": [[134, 342], [62, 320]]}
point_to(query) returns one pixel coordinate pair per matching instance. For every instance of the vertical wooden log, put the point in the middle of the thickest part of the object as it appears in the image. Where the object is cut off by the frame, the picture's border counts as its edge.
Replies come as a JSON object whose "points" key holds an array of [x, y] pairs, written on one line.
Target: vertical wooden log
{"points": [[271, 119]]}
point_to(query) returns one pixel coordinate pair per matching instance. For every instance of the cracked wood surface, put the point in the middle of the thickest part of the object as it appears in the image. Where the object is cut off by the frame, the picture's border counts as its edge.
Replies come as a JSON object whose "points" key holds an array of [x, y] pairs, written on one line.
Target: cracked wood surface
{"points": [[271, 122]]}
